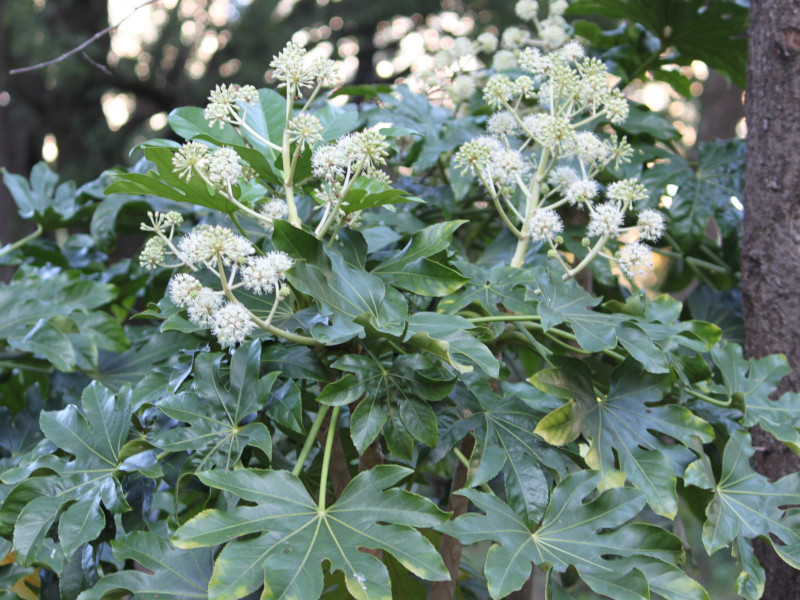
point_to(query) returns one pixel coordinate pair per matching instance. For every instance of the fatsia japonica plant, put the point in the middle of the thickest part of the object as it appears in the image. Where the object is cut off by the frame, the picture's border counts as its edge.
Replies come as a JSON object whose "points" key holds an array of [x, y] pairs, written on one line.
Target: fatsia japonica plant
{"points": [[376, 374]]}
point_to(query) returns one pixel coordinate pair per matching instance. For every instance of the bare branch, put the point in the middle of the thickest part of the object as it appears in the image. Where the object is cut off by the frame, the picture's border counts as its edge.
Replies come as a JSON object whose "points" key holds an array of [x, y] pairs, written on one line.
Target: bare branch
{"points": [[96, 64], [79, 48]]}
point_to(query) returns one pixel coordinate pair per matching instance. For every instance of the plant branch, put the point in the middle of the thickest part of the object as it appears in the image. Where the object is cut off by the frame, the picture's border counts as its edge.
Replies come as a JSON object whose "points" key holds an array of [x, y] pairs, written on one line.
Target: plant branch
{"points": [[312, 435], [80, 47], [326, 458]]}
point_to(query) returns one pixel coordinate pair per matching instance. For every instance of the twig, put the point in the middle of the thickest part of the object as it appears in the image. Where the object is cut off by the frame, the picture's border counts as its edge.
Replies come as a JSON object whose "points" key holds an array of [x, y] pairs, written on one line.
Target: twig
{"points": [[77, 49], [96, 64]]}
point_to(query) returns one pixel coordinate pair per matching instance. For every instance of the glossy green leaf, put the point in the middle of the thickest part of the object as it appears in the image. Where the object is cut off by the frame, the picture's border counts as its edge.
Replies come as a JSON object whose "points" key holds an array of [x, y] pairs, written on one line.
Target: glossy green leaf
{"points": [[170, 572], [619, 428], [746, 504], [574, 532], [297, 536], [750, 383], [215, 408], [561, 301]]}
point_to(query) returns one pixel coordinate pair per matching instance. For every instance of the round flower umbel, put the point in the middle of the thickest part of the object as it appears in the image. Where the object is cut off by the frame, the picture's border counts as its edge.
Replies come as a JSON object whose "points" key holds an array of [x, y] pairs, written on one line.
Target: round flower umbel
{"points": [[635, 259], [305, 130], [152, 256], [192, 155], [264, 274], [202, 306], [651, 224], [605, 220], [224, 167], [207, 244], [545, 224], [231, 324], [223, 103], [274, 209], [183, 288]]}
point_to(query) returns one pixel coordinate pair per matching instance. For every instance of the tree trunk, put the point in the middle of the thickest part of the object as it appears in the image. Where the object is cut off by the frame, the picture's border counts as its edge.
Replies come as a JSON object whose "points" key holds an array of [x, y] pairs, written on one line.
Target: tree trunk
{"points": [[771, 231]]}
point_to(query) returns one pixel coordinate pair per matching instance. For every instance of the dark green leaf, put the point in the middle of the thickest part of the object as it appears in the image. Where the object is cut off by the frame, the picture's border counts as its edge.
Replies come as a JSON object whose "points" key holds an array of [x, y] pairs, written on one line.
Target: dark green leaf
{"points": [[297, 536]]}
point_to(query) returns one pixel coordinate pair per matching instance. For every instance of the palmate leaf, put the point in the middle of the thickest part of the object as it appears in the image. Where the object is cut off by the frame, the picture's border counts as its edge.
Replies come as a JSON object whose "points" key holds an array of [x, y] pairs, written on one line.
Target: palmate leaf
{"points": [[448, 338], [297, 536], [746, 504], [491, 289], [343, 291], [96, 437], [625, 423], [696, 29], [171, 573], [561, 301], [411, 269], [703, 192], [750, 383], [586, 535], [502, 426], [398, 392], [214, 410]]}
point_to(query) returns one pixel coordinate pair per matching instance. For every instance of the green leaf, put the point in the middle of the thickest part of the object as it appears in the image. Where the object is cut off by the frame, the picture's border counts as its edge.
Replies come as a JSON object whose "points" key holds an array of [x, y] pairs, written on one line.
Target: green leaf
{"points": [[561, 301], [367, 193], [573, 532], [45, 339], [42, 199], [503, 430], [347, 293], [189, 122], [642, 120], [447, 338], [214, 410], [412, 270], [96, 437], [619, 428], [401, 388], [170, 572], [750, 383], [747, 505], [131, 366], [35, 295], [491, 288], [694, 29], [268, 120], [297, 536]]}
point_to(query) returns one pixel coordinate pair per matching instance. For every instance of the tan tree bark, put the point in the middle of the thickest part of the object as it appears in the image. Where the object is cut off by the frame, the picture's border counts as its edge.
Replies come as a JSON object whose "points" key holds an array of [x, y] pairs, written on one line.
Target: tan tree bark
{"points": [[771, 231]]}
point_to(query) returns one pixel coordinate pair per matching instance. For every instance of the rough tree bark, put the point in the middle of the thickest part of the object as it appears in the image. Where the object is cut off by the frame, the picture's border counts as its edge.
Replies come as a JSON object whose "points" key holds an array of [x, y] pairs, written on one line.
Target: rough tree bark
{"points": [[771, 233]]}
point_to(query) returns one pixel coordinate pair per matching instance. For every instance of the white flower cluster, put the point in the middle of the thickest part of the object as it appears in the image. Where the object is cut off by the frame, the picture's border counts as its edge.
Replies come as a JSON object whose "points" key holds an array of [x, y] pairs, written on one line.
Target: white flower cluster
{"points": [[221, 167], [224, 103], [496, 165], [213, 245], [295, 72], [356, 153], [264, 274]]}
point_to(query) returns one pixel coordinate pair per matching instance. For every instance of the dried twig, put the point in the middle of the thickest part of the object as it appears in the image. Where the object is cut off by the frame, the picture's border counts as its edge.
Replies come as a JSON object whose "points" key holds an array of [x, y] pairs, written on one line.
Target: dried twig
{"points": [[96, 64], [79, 48]]}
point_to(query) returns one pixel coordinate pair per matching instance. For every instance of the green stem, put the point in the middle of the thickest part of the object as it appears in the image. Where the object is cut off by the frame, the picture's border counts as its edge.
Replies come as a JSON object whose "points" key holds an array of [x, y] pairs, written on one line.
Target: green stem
{"points": [[504, 319], [21, 242], [326, 458], [700, 396], [286, 154], [601, 243], [310, 438], [464, 461], [276, 331]]}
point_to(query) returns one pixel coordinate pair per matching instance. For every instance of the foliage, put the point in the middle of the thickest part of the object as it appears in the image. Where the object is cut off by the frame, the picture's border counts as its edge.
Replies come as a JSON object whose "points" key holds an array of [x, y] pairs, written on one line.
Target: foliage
{"points": [[274, 399]]}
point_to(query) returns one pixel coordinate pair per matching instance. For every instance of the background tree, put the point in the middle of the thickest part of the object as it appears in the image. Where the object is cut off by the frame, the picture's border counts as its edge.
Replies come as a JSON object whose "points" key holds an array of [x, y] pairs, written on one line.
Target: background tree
{"points": [[770, 277]]}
